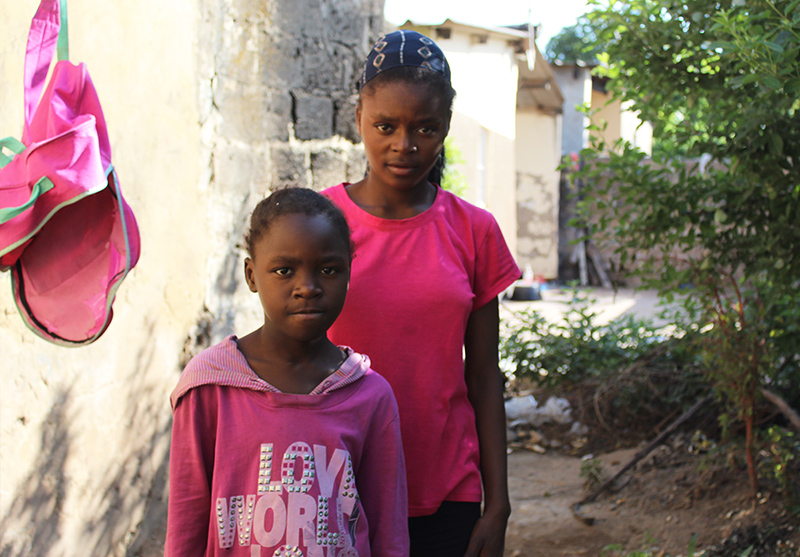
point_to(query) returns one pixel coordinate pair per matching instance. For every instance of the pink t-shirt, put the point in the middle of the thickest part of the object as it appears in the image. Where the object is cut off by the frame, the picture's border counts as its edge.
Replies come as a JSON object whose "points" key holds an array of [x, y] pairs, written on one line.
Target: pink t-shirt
{"points": [[414, 284]]}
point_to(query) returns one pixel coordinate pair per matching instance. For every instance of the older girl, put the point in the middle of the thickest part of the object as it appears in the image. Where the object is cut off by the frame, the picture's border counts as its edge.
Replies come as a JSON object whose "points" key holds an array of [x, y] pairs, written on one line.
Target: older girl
{"points": [[427, 271]]}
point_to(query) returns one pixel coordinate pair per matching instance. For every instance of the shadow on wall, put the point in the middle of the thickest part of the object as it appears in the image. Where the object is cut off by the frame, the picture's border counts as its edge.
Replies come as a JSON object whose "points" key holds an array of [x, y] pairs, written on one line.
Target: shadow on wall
{"points": [[40, 498], [130, 506]]}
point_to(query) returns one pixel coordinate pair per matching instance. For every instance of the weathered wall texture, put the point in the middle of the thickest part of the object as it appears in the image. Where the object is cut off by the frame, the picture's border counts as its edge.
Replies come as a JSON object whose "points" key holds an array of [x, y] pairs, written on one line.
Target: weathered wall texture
{"points": [[576, 86], [537, 149], [209, 103]]}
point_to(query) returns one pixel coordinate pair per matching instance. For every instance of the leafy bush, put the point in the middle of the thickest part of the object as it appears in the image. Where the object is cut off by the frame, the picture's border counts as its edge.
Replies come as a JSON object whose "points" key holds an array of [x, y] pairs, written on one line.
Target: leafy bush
{"points": [[592, 473], [720, 83], [575, 350], [782, 464], [634, 373]]}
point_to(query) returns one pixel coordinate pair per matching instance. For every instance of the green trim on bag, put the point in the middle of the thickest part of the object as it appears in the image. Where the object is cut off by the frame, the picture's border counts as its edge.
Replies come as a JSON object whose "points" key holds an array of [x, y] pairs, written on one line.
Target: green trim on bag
{"points": [[62, 45], [39, 188], [52, 212], [48, 335], [12, 144]]}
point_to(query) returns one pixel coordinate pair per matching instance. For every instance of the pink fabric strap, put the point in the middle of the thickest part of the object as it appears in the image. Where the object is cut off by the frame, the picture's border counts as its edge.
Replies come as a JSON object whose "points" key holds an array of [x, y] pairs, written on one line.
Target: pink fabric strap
{"points": [[42, 40]]}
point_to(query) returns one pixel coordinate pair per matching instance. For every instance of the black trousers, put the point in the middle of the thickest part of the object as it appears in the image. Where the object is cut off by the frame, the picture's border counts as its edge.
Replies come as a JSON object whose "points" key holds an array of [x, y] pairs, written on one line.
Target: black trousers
{"points": [[445, 533]]}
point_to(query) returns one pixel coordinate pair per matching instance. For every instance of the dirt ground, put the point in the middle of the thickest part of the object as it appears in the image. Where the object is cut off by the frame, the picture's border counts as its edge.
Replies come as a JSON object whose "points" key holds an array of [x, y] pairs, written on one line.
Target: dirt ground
{"points": [[678, 491], [659, 505]]}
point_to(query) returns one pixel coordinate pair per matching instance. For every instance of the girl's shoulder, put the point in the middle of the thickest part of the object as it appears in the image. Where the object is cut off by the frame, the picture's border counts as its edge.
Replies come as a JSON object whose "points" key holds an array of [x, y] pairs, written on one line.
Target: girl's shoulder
{"points": [[219, 364]]}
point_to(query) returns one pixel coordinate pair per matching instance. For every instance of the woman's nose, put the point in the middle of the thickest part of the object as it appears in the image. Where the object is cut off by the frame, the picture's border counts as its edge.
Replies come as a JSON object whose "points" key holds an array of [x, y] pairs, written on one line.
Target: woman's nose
{"points": [[405, 143]]}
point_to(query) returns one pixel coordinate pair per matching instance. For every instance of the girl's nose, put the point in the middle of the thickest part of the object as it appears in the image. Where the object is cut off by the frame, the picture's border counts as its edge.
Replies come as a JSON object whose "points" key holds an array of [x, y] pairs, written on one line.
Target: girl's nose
{"points": [[307, 286]]}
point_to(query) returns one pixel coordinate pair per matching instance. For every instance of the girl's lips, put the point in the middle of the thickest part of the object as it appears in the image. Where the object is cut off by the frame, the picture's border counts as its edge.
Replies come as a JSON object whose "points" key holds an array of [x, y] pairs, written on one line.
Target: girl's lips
{"points": [[308, 312]]}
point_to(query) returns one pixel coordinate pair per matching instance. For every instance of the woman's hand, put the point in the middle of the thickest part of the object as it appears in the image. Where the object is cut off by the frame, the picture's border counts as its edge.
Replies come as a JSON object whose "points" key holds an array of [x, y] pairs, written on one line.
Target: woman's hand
{"points": [[489, 535], [485, 386]]}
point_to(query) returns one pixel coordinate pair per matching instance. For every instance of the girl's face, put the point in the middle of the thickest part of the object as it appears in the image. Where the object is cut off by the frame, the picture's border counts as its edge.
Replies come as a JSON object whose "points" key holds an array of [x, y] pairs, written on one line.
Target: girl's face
{"points": [[300, 269], [403, 126]]}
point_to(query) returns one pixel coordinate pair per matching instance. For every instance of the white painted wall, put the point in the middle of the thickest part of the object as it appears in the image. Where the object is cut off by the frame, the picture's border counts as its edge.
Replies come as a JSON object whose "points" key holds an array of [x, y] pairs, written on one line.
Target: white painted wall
{"points": [[84, 431], [485, 79]]}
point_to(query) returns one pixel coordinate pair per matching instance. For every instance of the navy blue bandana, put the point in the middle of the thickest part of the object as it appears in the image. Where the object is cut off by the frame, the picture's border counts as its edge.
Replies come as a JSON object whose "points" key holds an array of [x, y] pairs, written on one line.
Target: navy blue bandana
{"points": [[404, 48]]}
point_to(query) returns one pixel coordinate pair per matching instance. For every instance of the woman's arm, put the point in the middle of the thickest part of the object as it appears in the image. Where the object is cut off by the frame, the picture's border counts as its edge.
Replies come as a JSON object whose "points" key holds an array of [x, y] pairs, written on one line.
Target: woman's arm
{"points": [[485, 386]]}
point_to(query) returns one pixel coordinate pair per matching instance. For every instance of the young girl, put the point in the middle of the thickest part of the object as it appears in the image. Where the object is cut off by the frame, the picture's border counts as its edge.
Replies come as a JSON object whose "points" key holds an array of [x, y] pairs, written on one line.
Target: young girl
{"points": [[284, 444], [427, 271]]}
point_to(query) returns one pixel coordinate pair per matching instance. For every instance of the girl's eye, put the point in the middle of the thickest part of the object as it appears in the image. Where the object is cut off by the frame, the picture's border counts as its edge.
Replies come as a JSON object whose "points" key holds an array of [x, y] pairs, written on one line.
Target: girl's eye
{"points": [[329, 270], [383, 128], [283, 271]]}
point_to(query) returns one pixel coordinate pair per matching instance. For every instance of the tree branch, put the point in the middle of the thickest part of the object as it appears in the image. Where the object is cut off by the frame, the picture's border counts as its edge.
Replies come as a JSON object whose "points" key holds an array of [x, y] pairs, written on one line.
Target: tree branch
{"points": [[790, 413]]}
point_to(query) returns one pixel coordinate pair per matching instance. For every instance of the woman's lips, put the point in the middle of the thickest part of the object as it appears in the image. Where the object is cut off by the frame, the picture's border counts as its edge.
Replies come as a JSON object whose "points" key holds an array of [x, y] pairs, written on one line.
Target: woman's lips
{"points": [[402, 169]]}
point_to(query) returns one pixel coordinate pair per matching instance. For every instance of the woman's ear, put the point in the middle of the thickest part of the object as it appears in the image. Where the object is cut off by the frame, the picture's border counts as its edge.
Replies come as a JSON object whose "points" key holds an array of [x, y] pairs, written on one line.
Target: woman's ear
{"points": [[358, 119], [248, 275]]}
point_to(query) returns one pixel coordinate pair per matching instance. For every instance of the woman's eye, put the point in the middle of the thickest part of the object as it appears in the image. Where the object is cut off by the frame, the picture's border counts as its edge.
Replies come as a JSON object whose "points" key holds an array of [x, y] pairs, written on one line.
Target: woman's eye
{"points": [[383, 127], [426, 131]]}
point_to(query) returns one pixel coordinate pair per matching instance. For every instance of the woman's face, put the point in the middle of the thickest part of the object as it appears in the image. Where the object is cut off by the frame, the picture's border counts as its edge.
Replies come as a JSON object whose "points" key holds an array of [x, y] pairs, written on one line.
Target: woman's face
{"points": [[403, 126]]}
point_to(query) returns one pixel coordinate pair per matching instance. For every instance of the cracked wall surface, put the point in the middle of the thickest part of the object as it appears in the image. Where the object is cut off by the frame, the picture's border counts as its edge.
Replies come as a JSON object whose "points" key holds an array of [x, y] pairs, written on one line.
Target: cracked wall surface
{"points": [[210, 104]]}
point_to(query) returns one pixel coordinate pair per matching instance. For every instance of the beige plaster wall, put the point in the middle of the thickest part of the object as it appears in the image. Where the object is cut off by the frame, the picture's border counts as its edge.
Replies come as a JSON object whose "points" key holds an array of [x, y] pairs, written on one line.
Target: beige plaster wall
{"points": [[497, 197], [620, 123], [84, 431], [209, 104]]}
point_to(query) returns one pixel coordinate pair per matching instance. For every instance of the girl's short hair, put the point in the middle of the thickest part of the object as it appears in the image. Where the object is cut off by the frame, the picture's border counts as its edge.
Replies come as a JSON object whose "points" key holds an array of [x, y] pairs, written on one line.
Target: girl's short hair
{"points": [[294, 201]]}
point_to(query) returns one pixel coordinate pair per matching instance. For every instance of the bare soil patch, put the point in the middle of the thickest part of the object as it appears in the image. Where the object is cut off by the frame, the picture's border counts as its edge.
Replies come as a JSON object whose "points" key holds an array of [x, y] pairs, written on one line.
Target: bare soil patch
{"points": [[669, 497]]}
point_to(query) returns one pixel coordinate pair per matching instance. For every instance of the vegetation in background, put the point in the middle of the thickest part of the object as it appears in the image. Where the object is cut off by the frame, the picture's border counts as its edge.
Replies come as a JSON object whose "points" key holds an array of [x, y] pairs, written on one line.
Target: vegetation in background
{"points": [[627, 364], [592, 473], [720, 82], [452, 179], [576, 44], [782, 465], [628, 375]]}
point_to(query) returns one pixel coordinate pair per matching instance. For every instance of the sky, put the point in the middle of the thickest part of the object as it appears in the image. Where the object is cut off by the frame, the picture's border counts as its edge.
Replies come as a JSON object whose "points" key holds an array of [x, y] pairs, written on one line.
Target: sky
{"points": [[553, 15]]}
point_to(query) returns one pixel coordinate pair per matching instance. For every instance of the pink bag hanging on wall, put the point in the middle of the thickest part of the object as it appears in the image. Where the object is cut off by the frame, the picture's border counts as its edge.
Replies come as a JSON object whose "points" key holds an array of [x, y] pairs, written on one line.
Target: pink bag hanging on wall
{"points": [[66, 232]]}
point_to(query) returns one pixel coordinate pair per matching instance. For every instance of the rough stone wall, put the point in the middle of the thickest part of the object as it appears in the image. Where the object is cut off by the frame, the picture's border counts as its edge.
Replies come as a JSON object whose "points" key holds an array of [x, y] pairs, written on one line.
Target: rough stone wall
{"points": [[210, 104], [537, 210], [277, 109]]}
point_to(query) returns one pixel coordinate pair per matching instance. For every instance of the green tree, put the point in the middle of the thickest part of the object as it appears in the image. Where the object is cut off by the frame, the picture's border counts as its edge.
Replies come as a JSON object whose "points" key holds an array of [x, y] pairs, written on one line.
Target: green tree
{"points": [[574, 44], [720, 82]]}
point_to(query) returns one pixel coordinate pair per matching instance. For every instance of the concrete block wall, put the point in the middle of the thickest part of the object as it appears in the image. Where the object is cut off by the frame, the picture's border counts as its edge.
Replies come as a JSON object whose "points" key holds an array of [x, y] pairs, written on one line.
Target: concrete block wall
{"points": [[210, 104]]}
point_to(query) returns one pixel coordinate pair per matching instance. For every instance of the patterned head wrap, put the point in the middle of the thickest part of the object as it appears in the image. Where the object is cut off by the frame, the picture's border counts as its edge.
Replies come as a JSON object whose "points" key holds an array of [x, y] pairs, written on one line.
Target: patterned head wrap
{"points": [[404, 48]]}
